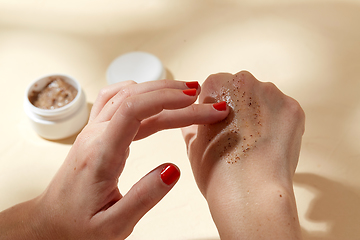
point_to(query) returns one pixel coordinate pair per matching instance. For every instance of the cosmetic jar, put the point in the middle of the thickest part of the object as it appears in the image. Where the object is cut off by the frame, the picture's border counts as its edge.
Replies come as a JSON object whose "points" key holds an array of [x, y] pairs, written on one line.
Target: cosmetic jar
{"points": [[58, 123]]}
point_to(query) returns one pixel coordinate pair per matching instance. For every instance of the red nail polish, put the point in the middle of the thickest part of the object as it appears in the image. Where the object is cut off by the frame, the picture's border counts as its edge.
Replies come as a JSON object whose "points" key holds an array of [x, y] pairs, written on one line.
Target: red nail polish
{"points": [[192, 85], [220, 106], [169, 174], [190, 92]]}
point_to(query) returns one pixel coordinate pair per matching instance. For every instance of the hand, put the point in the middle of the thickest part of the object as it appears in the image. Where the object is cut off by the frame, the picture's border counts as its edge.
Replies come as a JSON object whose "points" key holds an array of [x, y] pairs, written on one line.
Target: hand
{"points": [[244, 165], [83, 200]]}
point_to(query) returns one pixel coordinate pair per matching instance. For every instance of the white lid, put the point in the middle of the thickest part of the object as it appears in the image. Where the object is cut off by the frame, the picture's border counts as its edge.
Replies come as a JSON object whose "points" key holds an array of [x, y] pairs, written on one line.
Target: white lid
{"points": [[137, 66]]}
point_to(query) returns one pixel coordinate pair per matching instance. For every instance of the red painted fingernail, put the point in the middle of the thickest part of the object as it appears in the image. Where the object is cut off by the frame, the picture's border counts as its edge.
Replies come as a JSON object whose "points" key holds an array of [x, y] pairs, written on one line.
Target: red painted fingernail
{"points": [[170, 174], [220, 106], [190, 92], [192, 85]]}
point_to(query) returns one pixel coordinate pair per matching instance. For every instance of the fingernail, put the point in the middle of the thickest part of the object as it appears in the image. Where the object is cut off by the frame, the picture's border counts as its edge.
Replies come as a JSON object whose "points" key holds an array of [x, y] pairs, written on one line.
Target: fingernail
{"points": [[190, 92], [192, 85], [169, 174], [220, 106]]}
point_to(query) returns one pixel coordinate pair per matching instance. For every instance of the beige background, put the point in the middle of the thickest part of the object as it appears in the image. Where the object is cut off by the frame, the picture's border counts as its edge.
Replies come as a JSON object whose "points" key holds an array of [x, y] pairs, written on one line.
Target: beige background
{"points": [[309, 49]]}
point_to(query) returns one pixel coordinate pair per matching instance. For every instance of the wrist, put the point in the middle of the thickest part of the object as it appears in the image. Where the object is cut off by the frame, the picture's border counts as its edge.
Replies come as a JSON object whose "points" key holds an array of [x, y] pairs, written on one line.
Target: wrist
{"points": [[22, 221], [253, 172], [244, 186], [255, 209]]}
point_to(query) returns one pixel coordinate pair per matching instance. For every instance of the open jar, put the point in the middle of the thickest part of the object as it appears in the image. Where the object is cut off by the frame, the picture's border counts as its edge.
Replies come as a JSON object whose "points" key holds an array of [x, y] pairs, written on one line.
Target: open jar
{"points": [[61, 121]]}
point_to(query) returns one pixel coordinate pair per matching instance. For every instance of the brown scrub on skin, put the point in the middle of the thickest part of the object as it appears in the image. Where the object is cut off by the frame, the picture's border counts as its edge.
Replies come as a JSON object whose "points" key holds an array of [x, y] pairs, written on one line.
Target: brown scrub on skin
{"points": [[235, 137], [56, 94]]}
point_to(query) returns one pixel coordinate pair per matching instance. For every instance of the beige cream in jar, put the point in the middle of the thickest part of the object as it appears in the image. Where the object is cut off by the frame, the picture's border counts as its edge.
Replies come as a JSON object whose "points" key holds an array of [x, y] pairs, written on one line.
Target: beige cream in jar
{"points": [[57, 93]]}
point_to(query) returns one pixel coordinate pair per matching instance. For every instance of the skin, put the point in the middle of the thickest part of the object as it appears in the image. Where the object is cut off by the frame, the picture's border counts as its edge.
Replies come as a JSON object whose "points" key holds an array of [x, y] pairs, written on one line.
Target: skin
{"points": [[83, 200], [244, 165]]}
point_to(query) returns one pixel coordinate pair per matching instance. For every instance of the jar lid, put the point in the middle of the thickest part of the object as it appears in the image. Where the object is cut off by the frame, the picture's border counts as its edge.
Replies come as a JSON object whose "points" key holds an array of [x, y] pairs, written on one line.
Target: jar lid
{"points": [[137, 66]]}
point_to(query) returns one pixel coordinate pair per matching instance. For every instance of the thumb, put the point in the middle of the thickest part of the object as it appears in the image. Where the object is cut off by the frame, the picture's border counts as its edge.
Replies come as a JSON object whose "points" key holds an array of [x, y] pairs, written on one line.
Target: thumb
{"points": [[147, 192]]}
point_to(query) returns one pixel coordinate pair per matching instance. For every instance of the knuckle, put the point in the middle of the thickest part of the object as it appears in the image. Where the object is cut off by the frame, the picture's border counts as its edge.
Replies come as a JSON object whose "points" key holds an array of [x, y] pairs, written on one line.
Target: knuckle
{"points": [[269, 87], [295, 109], [294, 113], [193, 109], [145, 198], [124, 92], [270, 91], [104, 93], [166, 83], [127, 107], [108, 92], [130, 82], [194, 112], [245, 74], [245, 78], [289, 105]]}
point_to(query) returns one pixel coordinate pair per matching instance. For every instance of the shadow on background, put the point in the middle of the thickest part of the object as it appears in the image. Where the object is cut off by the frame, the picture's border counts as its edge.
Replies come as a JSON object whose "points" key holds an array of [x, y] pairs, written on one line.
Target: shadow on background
{"points": [[336, 204]]}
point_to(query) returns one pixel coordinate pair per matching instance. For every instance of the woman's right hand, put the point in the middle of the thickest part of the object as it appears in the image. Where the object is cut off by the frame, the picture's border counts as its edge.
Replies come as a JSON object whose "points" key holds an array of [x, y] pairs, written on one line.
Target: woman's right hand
{"points": [[83, 200]]}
